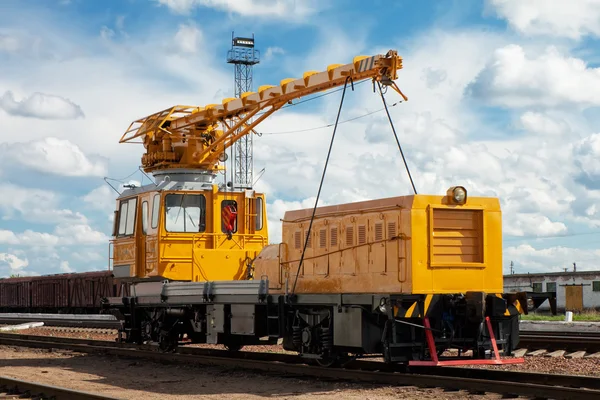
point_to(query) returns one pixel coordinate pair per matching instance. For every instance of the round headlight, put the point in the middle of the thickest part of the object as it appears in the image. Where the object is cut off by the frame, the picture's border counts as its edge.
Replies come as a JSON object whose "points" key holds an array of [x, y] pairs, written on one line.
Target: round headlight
{"points": [[459, 194]]}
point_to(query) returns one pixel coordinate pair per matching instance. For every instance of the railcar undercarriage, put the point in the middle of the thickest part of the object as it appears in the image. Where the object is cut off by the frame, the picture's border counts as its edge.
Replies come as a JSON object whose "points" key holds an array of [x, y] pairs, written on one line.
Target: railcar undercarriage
{"points": [[327, 329]]}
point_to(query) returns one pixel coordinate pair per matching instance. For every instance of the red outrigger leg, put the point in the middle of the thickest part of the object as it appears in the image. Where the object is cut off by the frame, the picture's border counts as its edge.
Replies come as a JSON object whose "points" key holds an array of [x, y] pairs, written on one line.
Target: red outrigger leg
{"points": [[435, 362]]}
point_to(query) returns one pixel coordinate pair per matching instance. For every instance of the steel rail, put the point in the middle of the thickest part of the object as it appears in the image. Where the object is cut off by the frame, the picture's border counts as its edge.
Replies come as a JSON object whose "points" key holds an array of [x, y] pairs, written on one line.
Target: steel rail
{"points": [[471, 379], [15, 388], [67, 322], [573, 341], [593, 334]]}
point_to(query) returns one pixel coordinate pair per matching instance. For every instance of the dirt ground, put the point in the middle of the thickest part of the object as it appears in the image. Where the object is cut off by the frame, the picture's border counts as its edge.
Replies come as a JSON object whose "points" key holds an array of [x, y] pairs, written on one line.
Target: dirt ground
{"points": [[135, 379]]}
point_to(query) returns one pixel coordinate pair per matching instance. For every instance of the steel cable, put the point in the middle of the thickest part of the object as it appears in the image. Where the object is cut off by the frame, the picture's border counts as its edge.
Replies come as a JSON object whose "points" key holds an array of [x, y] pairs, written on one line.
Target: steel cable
{"points": [[348, 79], [396, 136]]}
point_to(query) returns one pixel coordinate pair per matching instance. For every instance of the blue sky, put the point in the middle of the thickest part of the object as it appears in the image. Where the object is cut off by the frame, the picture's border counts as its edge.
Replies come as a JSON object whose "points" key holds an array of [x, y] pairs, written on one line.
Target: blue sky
{"points": [[503, 98]]}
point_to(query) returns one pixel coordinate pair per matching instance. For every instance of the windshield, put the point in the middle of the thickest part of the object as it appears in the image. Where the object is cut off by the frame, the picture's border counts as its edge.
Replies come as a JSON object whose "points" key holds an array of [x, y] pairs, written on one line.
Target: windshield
{"points": [[185, 212]]}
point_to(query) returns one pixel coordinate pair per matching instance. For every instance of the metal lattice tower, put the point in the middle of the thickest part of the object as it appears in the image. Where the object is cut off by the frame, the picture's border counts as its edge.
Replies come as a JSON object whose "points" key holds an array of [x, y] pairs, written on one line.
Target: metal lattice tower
{"points": [[243, 56]]}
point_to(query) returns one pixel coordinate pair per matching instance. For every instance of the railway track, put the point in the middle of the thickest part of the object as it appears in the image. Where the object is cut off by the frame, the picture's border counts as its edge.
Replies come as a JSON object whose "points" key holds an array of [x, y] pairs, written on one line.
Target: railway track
{"points": [[63, 320], [473, 380], [570, 341], [17, 389]]}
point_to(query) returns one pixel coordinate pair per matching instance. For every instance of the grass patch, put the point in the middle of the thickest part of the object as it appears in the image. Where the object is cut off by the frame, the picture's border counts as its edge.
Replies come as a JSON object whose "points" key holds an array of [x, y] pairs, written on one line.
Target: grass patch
{"points": [[583, 316]]}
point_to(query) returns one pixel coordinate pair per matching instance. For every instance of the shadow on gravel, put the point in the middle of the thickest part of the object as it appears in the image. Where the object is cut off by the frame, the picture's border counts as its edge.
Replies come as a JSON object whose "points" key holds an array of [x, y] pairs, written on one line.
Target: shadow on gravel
{"points": [[150, 376]]}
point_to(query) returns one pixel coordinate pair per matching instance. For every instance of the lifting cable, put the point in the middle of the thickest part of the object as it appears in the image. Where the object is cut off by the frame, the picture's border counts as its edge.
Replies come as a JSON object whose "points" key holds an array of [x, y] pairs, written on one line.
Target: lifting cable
{"points": [[306, 240], [396, 136]]}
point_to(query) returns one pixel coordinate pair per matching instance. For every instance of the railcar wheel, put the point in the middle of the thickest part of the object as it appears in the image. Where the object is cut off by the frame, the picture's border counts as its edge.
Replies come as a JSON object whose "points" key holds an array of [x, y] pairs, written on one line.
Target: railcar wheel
{"points": [[327, 361], [233, 345], [333, 359]]}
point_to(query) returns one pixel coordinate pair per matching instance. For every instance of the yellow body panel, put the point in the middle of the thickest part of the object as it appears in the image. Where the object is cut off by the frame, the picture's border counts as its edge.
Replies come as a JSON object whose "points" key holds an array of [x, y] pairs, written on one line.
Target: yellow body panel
{"points": [[207, 255], [411, 244]]}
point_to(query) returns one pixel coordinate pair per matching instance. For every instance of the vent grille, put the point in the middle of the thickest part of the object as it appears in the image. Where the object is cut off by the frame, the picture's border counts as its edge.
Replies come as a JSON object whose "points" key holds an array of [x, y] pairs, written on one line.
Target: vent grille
{"points": [[391, 230], [308, 245], [323, 238], [349, 236], [297, 242], [362, 234], [378, 231], [334, 236], [457, 236]]}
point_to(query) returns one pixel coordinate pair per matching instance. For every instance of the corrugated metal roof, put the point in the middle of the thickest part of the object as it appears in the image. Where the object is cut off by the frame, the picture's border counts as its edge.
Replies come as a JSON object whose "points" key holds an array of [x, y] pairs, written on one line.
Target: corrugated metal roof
{"points": [[542, 274]]}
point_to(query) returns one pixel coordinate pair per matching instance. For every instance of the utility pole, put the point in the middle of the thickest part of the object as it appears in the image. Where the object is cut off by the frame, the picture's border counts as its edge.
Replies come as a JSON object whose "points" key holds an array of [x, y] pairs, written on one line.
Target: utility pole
{"points": [[512, 270], [243, 56]]}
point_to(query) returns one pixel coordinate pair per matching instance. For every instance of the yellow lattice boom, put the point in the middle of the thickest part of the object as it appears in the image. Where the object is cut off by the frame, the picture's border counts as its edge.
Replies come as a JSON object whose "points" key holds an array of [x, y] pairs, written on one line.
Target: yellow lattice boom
{"points": [[195, 137]]}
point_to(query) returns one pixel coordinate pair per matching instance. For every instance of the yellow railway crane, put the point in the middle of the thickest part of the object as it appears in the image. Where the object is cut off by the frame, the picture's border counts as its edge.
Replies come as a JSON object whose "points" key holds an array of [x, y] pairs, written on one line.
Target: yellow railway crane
{"points": [[405, 278], [184, 226]]}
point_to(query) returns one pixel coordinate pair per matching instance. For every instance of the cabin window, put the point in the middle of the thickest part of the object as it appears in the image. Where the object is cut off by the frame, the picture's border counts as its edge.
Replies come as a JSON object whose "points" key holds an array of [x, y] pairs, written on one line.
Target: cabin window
{"points": [[595, 286], [185, 212], [229, 216], [155, 210], [145, 217], [537, 287], [259, 213], [550, 286], [127, 217]]}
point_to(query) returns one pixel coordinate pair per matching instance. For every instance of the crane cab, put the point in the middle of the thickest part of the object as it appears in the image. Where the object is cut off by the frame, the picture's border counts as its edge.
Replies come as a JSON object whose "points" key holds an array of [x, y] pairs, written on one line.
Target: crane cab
{"points": [[187, 231]]}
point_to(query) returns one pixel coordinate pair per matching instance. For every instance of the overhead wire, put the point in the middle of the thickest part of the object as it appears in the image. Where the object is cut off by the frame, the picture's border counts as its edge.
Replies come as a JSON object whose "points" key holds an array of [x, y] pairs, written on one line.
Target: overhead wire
{"points": [[330, 125], [517, 238]]}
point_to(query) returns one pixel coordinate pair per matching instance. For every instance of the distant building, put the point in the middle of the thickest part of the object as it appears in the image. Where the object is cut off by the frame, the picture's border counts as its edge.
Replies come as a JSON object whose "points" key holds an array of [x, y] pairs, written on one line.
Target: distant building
{"points": [[575, 291]]}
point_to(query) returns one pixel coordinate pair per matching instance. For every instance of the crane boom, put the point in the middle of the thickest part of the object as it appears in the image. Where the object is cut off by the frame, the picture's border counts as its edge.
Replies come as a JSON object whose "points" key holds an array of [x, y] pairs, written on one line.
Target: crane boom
{"points": [[188, 136]]}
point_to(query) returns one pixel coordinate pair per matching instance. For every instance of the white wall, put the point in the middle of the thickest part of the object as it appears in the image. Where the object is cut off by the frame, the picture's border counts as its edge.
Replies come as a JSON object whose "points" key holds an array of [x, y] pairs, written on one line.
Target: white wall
{"points": [[591, 299]]}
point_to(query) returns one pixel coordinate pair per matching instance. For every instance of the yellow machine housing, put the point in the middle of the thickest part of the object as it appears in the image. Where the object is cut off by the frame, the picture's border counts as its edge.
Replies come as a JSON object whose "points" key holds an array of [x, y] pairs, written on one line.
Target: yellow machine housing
{"points": [[419, 244], [176, 231]]}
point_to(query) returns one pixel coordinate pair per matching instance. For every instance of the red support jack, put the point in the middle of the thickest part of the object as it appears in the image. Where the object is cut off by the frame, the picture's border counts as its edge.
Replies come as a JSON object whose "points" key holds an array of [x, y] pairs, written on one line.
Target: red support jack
{"points": [[435, 362]]}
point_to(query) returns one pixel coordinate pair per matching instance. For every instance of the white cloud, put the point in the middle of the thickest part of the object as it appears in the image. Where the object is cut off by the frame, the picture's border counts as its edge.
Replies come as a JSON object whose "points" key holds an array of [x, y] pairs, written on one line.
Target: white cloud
{"points": [[106, 33], [273, 51], [586, 154], [54, 156], [63, 235], [277, 210], [8, 237], [34, 239], [40, 105], [188, 38], [543, 123], [120, 22], [512, 79], [527, 258], [289, 9], [9, 44], [571, 19], [101, 198], [13, 262], [75, 234], [533, 224], [64, 267], [87, 255], [445, 142], [34, 205]]}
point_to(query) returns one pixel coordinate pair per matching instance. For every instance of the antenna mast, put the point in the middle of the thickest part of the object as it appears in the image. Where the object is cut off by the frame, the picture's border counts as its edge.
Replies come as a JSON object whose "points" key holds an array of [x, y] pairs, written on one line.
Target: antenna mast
{"points": [[243, 56]]}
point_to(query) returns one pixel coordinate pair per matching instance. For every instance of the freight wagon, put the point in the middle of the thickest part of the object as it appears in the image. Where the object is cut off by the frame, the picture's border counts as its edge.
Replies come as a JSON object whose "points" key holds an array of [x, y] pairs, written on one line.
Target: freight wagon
{"points": [[76, 293]]}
